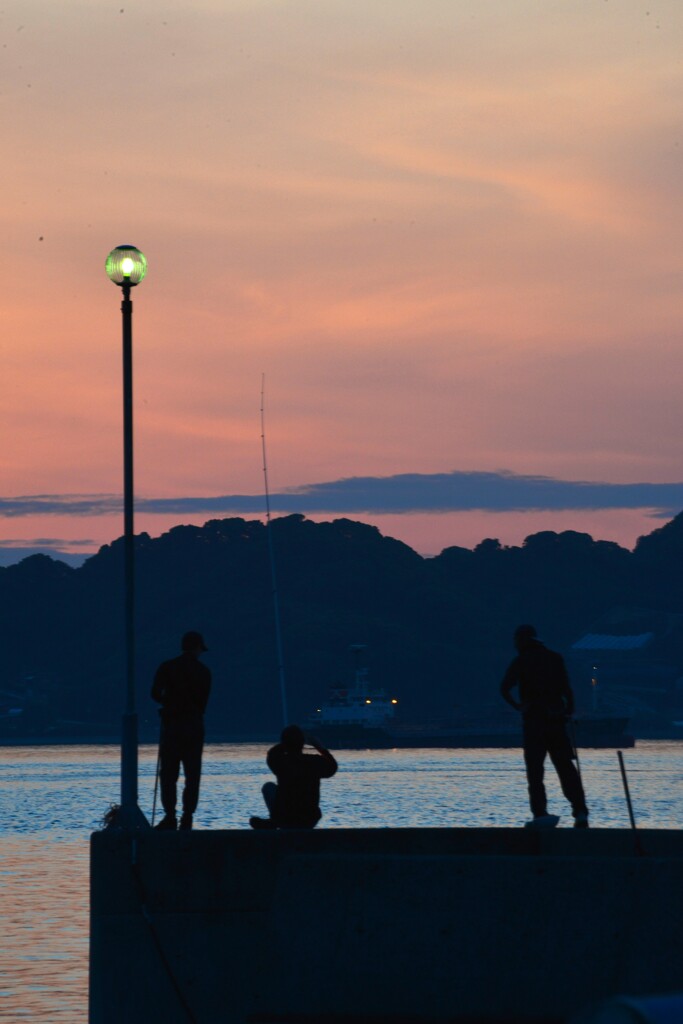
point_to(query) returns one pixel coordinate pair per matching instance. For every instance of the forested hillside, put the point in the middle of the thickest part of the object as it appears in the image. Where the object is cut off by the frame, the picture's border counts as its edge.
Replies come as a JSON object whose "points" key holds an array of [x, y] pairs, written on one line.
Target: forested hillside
{"points": [[438, 629]]}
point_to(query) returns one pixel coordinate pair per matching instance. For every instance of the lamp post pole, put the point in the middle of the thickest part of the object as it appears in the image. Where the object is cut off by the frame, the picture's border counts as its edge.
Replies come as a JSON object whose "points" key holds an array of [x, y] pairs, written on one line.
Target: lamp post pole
{"points": [[126, 266], [129, 745]]}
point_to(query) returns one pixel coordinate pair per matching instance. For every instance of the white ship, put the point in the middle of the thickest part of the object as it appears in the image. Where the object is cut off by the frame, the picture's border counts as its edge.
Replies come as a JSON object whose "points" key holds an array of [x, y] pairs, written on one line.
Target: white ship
{"points": [[362, 717], [359, 714]]}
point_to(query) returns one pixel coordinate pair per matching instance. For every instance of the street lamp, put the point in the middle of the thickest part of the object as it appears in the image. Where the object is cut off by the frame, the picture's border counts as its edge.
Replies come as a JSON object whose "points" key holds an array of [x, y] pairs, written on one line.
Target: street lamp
{"points": [[126, 267]]}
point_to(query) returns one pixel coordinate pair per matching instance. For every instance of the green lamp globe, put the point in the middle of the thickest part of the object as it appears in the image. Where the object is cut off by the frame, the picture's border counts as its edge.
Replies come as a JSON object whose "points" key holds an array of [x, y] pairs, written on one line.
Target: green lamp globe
{"points": [[126, 265]]}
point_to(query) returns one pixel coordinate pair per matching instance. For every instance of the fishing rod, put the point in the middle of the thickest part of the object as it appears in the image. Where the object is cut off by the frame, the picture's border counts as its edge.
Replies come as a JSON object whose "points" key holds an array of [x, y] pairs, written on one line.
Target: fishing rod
{"points": [[636, 838], [156, 784], [271, 553]]}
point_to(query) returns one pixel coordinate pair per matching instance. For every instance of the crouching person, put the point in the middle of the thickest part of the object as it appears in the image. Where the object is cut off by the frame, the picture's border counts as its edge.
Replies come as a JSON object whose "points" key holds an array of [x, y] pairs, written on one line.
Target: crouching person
{"points": [[294, 802]]}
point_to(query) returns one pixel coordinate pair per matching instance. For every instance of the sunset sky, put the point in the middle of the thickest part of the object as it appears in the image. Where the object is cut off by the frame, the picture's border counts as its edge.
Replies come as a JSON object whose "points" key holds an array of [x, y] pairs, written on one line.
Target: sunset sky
{"points": [[449, 233]]}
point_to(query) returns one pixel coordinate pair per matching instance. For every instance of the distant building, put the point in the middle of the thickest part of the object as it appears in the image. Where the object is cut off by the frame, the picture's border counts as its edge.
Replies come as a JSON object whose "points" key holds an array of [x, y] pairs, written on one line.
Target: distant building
{"points": [[631, 662]]}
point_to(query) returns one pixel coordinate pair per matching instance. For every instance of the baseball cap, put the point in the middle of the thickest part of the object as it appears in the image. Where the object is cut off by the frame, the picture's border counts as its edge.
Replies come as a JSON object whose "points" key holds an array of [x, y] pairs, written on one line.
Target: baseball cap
{"points": [[193, 640]]}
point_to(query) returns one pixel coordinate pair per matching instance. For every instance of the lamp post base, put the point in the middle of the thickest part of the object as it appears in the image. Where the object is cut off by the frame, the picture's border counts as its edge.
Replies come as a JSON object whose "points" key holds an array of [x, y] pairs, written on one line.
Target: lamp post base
{"points": [[131, 819], [129, 815]]}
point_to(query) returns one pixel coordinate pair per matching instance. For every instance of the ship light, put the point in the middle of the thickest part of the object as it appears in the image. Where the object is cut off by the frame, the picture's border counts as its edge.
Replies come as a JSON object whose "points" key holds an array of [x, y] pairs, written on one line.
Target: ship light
{"points": [[368, 701], [394, 701]]}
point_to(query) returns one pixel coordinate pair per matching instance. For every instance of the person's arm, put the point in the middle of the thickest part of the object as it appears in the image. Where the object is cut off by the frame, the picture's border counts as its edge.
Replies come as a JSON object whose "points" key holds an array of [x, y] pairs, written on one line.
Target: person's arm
{"points": [[330, 763], [510, 680], [158, 685]]}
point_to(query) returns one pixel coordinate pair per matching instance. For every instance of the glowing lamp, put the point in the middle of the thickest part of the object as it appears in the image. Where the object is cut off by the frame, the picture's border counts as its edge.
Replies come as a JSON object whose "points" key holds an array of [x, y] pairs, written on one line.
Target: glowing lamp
{"points": [[394, 701], [126, 265]]}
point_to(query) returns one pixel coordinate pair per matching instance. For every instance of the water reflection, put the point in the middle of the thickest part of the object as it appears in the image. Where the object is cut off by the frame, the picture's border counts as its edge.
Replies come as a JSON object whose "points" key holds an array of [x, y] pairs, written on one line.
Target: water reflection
{"points": [[65, 791], [51, 798], [44, 928]]}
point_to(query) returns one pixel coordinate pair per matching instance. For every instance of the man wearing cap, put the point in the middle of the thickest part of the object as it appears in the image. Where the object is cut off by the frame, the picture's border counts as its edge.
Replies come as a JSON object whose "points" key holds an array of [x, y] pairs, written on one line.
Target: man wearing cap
{"points": [[546, 702], [182, 686]]}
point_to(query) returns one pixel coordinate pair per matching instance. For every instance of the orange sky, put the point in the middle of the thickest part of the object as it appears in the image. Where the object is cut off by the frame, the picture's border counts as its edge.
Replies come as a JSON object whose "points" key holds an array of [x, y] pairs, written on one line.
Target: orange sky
{"points": [[449, 234]]}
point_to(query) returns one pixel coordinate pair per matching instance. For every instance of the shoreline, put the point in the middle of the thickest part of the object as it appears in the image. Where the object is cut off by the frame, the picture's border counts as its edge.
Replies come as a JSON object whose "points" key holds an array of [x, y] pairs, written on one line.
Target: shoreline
{"points": [[113, 741], [66, 740]]}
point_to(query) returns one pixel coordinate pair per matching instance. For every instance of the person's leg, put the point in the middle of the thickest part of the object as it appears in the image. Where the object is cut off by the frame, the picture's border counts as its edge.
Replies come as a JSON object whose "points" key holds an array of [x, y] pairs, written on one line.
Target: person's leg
{"points": [[312, 822], [534, 756], [169, 769], [560, 751], [193, 747], [269, 791]]}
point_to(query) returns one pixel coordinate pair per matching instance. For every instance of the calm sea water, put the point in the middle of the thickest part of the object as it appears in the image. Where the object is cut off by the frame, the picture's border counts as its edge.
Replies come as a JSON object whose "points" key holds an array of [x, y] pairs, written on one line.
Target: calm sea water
{"points": [[52, 798]]}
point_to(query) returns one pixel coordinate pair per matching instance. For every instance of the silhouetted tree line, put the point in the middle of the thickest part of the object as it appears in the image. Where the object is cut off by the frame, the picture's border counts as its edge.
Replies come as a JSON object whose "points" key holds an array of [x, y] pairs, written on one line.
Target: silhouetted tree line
{"points": [[438, 629]]}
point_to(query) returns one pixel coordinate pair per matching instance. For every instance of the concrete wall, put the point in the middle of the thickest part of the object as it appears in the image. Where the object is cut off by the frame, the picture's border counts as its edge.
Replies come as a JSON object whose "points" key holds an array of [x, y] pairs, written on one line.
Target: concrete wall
{"points": [[421, 924]]}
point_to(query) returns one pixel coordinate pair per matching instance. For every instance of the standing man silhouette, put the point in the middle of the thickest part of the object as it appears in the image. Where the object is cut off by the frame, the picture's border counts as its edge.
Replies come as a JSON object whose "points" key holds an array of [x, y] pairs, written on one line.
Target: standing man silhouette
{"points": [[182, 686], [546, 702]]}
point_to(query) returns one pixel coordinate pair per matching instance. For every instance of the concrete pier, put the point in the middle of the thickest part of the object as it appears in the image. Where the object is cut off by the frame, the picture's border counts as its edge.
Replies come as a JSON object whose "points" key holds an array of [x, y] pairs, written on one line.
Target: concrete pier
{"points": [[380, 925]]}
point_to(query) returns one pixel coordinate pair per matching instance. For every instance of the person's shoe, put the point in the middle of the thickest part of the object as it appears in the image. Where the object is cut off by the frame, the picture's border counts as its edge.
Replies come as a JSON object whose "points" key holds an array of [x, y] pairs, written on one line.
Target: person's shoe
{"points": [[261, 823], [167, 823], [543, 821], [581, 820], [185, 823]]}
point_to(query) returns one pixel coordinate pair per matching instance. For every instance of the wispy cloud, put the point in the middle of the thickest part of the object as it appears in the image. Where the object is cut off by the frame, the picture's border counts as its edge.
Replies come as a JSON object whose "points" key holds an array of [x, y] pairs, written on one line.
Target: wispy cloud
{"points": [[403, 493], [60, 505], [43, 543]]}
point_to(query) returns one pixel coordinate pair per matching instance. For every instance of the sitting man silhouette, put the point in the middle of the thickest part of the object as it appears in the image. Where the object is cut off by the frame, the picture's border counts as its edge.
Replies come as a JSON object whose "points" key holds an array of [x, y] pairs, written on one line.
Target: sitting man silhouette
{"points": [[294, 802]]}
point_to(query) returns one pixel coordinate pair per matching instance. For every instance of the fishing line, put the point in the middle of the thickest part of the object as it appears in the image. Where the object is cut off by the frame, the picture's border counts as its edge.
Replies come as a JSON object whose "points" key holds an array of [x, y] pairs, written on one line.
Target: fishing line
{"points": [[156, 938], [575, 749], [271, 553]]}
